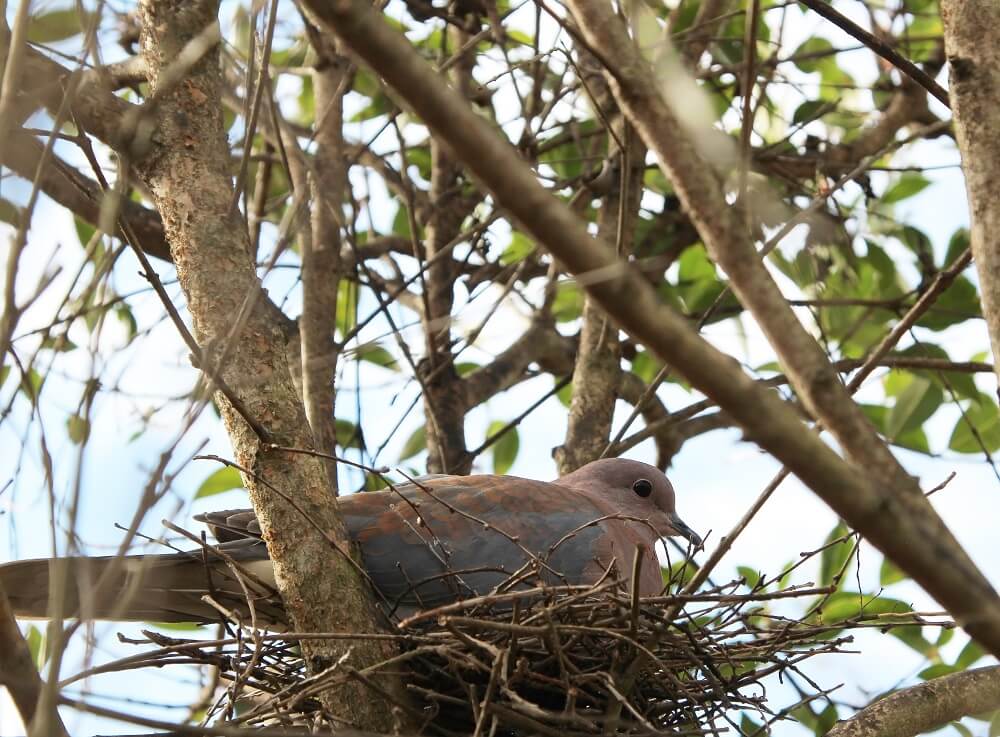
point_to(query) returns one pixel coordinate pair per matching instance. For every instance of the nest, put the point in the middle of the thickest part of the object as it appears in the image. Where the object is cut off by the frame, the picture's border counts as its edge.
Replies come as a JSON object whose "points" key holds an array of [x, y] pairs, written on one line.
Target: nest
{"points": [[560, 661]]}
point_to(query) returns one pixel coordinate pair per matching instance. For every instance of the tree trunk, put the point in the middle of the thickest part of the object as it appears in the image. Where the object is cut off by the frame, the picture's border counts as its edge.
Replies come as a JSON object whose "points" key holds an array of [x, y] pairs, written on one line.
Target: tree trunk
{"points": [[240, 330]]}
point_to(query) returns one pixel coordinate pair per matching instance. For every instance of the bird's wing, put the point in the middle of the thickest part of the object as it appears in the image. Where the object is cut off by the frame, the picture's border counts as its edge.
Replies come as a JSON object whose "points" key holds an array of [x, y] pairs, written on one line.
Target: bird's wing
{"points": [[442, 539]]}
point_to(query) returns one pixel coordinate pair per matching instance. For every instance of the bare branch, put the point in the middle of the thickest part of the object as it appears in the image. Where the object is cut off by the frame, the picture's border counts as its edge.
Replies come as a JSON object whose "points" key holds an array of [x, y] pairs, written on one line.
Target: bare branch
{"points": [[880, 47], [926, 706]]}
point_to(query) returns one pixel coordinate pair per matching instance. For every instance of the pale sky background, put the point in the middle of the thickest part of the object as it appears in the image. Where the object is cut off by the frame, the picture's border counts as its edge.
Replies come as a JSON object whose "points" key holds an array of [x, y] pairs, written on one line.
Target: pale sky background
{"points": [[716, 476]]}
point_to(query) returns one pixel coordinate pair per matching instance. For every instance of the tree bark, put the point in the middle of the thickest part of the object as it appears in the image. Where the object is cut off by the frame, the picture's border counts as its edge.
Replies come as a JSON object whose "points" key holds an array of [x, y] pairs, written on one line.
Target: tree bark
{"points": [[186, 170], [926, 706], [321, 266], [972, 43]]}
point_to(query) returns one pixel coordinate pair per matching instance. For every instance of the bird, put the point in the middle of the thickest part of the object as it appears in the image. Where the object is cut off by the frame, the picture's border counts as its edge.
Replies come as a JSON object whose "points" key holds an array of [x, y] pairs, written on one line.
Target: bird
{"points": [[429, 542]]}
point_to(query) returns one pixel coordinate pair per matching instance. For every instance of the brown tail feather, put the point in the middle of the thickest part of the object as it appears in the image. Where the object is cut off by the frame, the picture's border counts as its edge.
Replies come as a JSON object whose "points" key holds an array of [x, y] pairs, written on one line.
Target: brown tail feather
{"points": [[162, 588]]}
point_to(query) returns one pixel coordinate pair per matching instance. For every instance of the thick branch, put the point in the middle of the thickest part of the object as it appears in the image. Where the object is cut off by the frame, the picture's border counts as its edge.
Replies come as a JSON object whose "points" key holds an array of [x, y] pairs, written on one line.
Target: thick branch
{"points": [[884, 518], [20, 676], [972, 42], [188, 176], [927, 706]]}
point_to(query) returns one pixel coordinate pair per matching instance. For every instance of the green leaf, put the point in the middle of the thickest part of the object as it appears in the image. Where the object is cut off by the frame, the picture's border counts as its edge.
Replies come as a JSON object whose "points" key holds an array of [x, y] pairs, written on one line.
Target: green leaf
{"points": [[786, 575], [373, 482], [566, 159], [827, 718], [970, 654], [36, 646], [945, 636], [223, 479], [890, 573], [962, 729], [84, 231], [124, 314], [58, 25], [568, 302], [961, 382], [565, 395], [307, 100], [957, 303], [401, 223], [646, 366], [519, 37], [58, 343], [694, 265], [936, 671], [31, 385], [505, 448], [912, 636], [347, 307], [78, 428], [414, 444], [750, 575], [679, 573], [809, 49], [348, 434], [750, 728], [176, 626], [374, 353], [420, 157], [985, 418], [908, 185], [914, 405], [834, 557], [917, 241], [959, 241], [848, 605], [520, 247], [464, 368], [809, 110]]}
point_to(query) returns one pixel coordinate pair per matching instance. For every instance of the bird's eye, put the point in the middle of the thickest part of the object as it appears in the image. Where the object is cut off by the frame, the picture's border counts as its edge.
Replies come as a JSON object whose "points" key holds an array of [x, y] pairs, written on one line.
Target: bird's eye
{"points": [[643, 487]]}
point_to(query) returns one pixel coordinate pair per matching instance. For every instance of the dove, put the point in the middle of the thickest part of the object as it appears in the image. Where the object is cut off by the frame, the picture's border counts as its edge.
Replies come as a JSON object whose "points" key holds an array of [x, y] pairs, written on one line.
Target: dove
{"points": [[423, 544]]}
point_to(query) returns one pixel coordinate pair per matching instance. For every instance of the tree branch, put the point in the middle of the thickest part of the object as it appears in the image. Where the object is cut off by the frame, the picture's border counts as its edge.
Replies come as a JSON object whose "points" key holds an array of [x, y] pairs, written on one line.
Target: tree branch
{"points": [[811, 374], [880, 47], [887, 519], [83, 196], [20, 676], [188, 175], [926, 706], [972, 42]]}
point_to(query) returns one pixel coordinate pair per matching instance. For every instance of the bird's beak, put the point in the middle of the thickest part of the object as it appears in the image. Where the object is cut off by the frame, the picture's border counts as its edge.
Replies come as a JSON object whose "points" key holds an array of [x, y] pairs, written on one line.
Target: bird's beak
{"points": [[684, 531]]}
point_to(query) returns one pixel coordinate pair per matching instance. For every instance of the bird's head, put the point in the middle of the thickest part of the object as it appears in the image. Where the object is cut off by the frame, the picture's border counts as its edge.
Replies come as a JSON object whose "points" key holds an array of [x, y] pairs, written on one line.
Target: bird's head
{"points": [[637, 489]]}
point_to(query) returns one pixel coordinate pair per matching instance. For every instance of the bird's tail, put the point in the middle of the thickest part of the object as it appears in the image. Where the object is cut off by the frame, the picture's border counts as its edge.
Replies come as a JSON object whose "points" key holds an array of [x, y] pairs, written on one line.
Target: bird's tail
{"points": [[141, 588]]}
